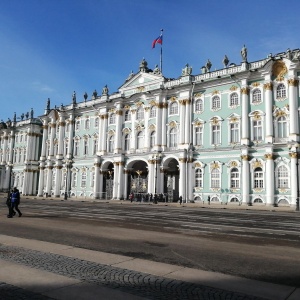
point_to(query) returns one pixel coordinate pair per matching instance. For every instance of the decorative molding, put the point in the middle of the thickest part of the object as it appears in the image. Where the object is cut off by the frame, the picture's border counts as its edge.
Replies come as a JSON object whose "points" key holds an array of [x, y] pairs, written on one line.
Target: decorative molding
{"points": [[293, 154], [245, 90], [245, 157], [215, 92], [269, 156], [268, 86], [233, 88], [293, 82]]}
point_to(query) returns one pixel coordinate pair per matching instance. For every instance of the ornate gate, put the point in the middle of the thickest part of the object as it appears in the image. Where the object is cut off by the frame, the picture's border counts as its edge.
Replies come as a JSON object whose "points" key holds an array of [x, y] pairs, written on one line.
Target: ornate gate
{"points": [[109, 184], [139, 185], [170, 184]]}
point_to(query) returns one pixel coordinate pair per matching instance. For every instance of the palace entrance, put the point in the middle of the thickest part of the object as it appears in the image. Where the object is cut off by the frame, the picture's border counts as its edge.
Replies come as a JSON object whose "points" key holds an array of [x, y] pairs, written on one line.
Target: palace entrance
{"points": [[108, 182], [138, 178], [171, 180]]}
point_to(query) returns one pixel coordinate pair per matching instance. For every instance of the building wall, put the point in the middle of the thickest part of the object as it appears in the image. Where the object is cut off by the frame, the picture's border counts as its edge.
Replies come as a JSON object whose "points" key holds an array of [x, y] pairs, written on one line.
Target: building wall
{"points": [[231, 135]]}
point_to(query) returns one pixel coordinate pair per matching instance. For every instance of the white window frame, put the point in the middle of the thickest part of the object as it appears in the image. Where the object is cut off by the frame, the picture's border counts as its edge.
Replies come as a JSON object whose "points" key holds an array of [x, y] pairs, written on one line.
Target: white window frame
{"points": [[215, 103], [234, 100], [173, 108]]}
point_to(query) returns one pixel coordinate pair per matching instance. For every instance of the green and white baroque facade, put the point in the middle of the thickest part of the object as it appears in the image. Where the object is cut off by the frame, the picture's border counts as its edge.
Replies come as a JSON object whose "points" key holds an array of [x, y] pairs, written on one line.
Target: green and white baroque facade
{"points": [[231, 135]]}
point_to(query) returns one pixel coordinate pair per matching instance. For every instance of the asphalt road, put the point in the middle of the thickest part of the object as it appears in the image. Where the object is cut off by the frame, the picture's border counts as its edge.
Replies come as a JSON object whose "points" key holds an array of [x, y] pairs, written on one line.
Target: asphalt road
{"points": [[254, 244]]}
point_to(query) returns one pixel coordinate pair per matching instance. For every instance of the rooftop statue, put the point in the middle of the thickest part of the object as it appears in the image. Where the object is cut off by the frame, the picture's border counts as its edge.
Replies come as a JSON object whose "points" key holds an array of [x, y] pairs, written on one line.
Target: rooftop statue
{"points": [[156, 70], [143, 65], [208, 65], [225, 61], [31, 113], [85, 96], [187, 70], [244, 53], [95, 94], [105, 91], [48, 104]]}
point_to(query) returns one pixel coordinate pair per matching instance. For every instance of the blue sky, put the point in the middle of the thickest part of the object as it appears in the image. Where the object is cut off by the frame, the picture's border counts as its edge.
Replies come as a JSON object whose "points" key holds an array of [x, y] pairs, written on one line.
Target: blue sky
{"points": [[50, 48]]}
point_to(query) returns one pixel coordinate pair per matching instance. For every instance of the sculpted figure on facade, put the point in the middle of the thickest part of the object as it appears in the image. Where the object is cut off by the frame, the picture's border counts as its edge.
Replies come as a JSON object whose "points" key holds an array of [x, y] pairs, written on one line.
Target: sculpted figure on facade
{"points": [[74, 97], [208, 65], [187, 70], [225, 61], [105, 91], [244, 53]]}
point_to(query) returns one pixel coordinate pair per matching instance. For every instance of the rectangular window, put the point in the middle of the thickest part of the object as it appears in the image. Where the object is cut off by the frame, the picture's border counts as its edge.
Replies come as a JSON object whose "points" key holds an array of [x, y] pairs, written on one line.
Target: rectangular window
{"points": [[234, 133], [216, 134], [257, 130], [198, 136]]}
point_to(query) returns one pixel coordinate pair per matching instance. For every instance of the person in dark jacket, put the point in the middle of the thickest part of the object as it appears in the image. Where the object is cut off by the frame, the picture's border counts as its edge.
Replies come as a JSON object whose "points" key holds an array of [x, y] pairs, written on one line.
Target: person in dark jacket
{"points": [[15, 201], [8, 203]]}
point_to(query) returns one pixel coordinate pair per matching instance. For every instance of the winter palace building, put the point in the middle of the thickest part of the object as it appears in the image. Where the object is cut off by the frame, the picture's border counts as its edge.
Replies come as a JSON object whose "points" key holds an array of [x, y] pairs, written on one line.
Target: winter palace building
{"points": [[228, 136]]}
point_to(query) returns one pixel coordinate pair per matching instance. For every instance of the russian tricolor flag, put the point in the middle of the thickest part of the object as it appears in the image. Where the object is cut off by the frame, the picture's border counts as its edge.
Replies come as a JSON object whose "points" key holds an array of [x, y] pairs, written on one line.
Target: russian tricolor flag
{"points": [[159, 40]]}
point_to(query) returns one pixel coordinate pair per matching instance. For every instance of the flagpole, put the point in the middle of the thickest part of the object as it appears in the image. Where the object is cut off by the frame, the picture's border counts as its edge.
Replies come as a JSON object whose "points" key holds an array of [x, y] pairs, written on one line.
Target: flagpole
{"points": [[161, 65]]}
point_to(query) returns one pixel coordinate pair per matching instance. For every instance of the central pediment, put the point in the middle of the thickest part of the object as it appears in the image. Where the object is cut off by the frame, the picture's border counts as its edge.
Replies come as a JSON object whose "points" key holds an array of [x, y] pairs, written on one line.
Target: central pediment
{"points": [[141, 82]]}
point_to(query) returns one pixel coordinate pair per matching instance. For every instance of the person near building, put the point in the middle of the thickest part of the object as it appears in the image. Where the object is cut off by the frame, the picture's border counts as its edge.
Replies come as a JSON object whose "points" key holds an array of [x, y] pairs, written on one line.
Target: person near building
{"points": [[15, 201]]}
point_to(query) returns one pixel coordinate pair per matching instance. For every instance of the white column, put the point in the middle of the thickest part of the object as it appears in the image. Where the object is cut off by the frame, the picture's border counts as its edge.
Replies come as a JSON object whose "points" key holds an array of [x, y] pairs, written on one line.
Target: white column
{"points": [[182, 121], [126, 172], [49, 180], [58, 179], [41, 179], [188, 124], [191, 179], [45, 137], [133, 133], [245, 179], [269, 179], [269, 111], [163, 130], [116, 180], [61, 136], [104, 132], [52, 136], [182, 178], [159, 126], [120, 192], [70, 137], [118, 137], [293, 176], [5, 158], [97, 178], [245, 119], [146, 130], [293, 103], [151, 175]]}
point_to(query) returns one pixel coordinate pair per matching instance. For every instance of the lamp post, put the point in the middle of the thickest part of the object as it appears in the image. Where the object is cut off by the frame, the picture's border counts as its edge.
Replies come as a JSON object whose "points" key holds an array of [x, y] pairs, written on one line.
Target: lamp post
{"points": [[67, 179]]}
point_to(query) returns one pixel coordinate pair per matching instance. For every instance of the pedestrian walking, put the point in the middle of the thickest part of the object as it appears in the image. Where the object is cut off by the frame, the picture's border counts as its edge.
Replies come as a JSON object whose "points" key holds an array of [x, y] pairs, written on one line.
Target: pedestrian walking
{"points": [[8, 203], [15, 201], [180, 200]]}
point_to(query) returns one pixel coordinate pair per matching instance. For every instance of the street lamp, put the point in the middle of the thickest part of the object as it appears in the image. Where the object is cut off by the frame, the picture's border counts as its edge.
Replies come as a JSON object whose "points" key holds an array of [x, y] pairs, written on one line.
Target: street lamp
{"points": [[297, 172]]}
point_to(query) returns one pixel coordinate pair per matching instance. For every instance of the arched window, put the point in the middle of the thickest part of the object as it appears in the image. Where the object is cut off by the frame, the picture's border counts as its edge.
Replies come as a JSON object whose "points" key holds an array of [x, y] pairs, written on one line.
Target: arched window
{"points": [[281, 91], [234, 99], [258, 178], [282, 127], [152, 139], [234, 178], [97, 122], [216, 103], [111, 143], [85, 147], [256, 96], [95, 145], [198, 178], [173, 137], [283, 177], [127, 142], [87, 124], [127, 116], [153, 111], [215, 178], [140, 113], [74, 179], [76, 148], [174, 108], [112, 118], [77, 125], [199, 105], [140, 140]]}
